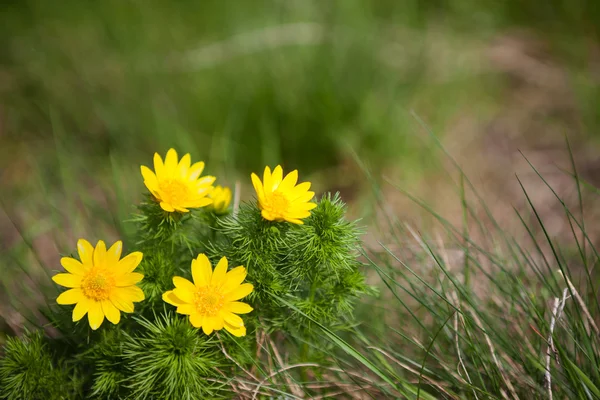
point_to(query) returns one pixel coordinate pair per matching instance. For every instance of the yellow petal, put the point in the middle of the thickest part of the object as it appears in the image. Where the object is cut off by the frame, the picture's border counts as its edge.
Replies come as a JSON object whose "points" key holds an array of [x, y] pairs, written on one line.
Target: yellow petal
{"points": [[95, 315], [100, 253], [201, 270], [260, 194], [121, 301], [196, 320], [297, 215], [267, 215], [184, 166], [276, 177], [72, 265], [167, 207], [131, 293], [238, 307], [218, 276], [81, 308], [111, 312], [295, 221], [231, 318], [70, 296], [129, 263], [186, 309], [298, 191], [68, 280], [234, 278], [267, 186], [114, 253], [85, 250], [195, 171], [303, 198], [183, 283], [181, 209], [206, 328], [150, 179], [171, 162], [169, 297], [236, 331], [215, 323], [289, 181], [203, 202], [241, 291], [159, 166], [184, 294], [128, 279]]}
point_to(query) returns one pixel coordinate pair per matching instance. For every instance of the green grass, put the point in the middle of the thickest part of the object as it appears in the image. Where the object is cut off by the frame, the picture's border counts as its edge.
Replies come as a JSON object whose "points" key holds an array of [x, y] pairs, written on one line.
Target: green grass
{"points": [[90, 91]]}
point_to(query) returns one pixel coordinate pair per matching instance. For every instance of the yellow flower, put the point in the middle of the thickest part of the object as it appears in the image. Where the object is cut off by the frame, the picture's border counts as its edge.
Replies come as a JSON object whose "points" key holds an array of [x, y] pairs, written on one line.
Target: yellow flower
{"points": [[280, 199], [211, 300], [101, 284], [221, 198], [177, 185]]}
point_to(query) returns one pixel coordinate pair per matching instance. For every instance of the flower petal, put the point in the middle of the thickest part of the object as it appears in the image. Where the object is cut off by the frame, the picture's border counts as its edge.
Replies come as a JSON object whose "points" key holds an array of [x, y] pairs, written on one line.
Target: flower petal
{"points": [[166, 206], [95, 315], [85, 250], [195, 171], [171, 162], [241, 291], [81, 308], [72, 265], [68, 280], [70, 296], [215, 322], [236, 331], [231, 318], [159, 167], [184, 294], [238, 307], [220, 272], [289, 181], [184, 166], [111, 312], [196, 320], [128, 279], [186, 309], [201, 270], [171, 298], [267, 186], [129, 263], [234, 278], [294, 221], [207, 326], [114, 253], [258, 187], [131, 293], [276, 177], [298, 191], [121, 300], [100, 254], [182, 283], [150, 179]]}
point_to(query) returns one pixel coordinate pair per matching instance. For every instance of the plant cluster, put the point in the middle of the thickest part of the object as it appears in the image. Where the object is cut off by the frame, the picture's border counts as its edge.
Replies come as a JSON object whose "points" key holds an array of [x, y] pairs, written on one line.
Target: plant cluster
{"points": [[177, 318]]}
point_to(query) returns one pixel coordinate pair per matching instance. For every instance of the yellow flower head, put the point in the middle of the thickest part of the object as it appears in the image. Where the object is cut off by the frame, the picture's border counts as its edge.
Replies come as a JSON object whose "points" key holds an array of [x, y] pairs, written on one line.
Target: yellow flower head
{"points": [[280, 199], [101, 284], [177, 184], [211, 301], [221, 198]]}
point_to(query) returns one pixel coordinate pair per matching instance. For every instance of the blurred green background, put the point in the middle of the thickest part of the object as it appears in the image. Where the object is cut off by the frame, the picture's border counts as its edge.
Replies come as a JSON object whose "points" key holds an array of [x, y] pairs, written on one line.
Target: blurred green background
{"points": [[90, 90]]}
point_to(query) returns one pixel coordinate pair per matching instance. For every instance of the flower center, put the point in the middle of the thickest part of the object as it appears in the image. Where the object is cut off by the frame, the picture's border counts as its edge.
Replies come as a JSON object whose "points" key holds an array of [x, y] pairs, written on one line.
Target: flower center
{"points": [[277, 204], [174, 191], [209, 301], [97, 284]]}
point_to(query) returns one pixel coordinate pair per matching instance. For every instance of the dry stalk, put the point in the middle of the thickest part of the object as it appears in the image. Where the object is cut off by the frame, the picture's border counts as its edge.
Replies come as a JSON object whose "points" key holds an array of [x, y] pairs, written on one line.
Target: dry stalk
{"points": [[507, 381], [556, 311], [581, 303]]}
